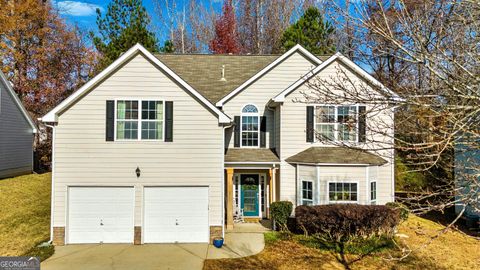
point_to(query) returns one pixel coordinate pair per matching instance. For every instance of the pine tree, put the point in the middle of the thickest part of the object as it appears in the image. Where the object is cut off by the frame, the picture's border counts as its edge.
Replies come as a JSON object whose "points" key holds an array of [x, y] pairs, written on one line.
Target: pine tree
{"points": [[310, 31], [226, 36], [168, 47], [125, 24]]}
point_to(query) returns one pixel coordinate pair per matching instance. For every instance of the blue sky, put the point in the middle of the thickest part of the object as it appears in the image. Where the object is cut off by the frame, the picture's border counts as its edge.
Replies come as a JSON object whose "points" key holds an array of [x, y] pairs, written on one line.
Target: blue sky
{"points": [[82, 12]]}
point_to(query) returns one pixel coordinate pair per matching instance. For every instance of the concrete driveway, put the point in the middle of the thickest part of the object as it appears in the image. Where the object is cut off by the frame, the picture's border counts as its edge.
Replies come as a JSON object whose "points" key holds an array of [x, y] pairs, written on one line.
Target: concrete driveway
{"points": [[244, 240], [127, 256]]}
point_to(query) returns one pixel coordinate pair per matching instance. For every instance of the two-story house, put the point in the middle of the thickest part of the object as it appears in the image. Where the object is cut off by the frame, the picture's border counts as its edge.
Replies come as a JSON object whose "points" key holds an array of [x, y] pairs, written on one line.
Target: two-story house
{"points": [[166, 148]]}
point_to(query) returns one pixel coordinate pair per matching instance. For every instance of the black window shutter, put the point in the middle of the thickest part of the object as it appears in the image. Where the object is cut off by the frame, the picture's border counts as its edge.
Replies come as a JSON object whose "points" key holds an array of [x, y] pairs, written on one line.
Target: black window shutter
{"points": [[263, 131], [310, 129], [110, 120], [362, 122], [169, 121], [236, 136]]}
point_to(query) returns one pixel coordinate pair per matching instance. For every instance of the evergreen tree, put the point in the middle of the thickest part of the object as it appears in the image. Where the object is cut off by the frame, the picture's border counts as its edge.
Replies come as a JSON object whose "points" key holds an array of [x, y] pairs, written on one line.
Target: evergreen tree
{"points": [[310, 31], [167, 47], [125, 24]]}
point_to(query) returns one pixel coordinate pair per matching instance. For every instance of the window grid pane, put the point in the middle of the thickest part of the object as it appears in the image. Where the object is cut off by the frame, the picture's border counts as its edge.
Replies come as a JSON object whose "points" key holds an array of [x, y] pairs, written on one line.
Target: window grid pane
{"points": [[152, 120], [336, 123], [343, 191], [307, 192], [250, 131]]}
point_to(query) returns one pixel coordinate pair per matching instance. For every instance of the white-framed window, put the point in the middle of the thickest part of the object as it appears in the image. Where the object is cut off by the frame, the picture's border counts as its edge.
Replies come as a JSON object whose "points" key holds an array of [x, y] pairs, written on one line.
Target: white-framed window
{"points": [[250, 126], [307, 192], [373, 192], [343, 192], [139, 120], [337, 122]]}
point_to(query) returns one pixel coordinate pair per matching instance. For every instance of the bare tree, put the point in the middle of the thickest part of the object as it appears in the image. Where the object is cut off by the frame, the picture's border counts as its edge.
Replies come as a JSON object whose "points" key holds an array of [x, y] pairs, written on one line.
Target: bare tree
{"points": [[428, 52], [189, 26]]}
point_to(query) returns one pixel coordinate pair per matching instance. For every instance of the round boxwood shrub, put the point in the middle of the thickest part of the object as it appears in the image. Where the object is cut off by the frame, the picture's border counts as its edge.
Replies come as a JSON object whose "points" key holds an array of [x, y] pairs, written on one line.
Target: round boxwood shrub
{"points": [[280, 211]]}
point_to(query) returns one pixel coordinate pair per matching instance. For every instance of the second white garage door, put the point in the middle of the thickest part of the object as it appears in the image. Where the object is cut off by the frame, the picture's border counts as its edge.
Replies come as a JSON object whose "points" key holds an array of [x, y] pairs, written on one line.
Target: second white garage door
{"points": [[176, 214]]}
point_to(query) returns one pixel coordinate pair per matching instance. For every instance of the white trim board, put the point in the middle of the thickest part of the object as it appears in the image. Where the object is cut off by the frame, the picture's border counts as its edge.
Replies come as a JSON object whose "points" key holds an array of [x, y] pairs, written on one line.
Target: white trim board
{"points": [[52, 116], [17, 102], [277, 61], [349, 63]]}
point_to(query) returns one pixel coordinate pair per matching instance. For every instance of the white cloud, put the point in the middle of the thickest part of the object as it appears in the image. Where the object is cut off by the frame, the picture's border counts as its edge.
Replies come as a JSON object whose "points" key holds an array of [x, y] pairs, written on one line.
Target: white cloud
{"points": [[76, 8]]}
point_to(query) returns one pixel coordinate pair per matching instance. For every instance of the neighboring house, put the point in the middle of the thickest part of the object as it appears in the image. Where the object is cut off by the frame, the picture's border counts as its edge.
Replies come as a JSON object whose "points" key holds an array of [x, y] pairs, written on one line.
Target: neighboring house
{"points": [[164, 148], [467, 179], [17, 132]]}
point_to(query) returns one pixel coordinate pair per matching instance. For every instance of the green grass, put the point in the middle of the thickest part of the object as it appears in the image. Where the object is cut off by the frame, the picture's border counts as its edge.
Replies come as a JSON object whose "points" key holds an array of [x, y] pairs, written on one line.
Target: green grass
{"points": [[25, 215]]}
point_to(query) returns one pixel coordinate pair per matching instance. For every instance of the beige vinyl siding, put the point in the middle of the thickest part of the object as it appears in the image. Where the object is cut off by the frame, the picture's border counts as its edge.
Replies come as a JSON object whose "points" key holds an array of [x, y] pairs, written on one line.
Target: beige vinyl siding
{"points": [[83, 157], [265, 88], [16, 137], [293, 140]]}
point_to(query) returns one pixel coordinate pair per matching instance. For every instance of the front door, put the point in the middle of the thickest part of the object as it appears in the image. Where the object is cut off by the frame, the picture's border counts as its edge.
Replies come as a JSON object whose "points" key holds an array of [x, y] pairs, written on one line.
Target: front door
{"points": [[249, 198]]}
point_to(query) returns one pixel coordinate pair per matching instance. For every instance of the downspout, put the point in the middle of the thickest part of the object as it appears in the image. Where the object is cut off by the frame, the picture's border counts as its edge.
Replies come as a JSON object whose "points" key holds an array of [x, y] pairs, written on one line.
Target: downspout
{"points": [[223, 179], [52, 192]]}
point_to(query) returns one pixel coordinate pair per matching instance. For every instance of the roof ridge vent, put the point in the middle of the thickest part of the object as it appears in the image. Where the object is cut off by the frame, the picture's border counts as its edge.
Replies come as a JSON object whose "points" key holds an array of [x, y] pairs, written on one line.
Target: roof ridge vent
{"points": [[223, 74]]}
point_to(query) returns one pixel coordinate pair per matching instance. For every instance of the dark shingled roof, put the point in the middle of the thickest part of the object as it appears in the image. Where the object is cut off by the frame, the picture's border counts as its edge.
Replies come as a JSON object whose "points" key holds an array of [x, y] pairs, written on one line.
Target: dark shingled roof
{"points": [[337, 155], [251, 155], [204, 71]]}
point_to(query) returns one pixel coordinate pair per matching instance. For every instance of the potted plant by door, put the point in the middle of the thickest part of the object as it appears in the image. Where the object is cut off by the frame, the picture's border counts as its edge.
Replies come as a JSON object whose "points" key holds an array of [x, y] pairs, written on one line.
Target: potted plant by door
{"points": [[218, 242]]}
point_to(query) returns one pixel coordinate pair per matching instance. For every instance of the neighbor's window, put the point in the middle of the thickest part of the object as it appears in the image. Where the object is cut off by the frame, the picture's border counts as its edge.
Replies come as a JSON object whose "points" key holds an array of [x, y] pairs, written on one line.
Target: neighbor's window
{"points": [[307, 192], [250, 126], [342, 191], [133, 125], [373, 192], [337, 123]]}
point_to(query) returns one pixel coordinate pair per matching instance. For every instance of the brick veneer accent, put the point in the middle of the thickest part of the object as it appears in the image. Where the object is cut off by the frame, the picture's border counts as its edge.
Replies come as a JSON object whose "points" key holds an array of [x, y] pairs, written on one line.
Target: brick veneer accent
{"points": [[215, 231], [137, 237], [58, 236]]}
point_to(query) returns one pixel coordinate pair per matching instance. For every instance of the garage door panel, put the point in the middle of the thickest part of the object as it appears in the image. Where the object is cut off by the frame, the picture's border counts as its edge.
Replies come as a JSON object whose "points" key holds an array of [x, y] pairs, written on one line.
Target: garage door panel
{"points": [[100, 214], [176, 214]]}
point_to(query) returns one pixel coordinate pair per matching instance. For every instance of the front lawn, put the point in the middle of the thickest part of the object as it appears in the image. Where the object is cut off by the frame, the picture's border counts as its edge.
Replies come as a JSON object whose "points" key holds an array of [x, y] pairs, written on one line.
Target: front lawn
{"points": [[25, 215], [451, 250]]}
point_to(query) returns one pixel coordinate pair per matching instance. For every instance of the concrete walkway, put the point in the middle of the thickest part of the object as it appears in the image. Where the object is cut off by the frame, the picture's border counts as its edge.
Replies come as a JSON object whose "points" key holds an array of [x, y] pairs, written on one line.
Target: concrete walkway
{"points": [[245, 240]]}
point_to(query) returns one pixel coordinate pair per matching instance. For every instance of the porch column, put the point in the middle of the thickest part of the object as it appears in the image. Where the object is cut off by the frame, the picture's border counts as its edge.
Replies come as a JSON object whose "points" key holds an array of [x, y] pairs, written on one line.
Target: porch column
{"points": [[271, 180], [229, 198]]}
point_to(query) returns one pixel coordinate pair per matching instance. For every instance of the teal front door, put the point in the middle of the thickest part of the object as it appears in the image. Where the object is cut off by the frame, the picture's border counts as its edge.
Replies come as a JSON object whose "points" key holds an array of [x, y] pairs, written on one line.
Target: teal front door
{"points": [[249, 195]]}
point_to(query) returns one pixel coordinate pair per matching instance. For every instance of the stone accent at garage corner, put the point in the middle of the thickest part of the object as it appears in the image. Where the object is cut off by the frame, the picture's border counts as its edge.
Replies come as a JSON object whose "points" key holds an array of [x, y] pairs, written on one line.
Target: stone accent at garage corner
{"points": [[137, 236], [215, 231], [58, 236]]}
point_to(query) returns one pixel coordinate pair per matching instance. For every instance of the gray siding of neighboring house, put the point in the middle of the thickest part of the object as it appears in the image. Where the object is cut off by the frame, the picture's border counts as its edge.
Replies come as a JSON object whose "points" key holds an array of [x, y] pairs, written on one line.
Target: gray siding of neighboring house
{"points": [[84, 157], [16, 138], [466, 169], [293, 141]]}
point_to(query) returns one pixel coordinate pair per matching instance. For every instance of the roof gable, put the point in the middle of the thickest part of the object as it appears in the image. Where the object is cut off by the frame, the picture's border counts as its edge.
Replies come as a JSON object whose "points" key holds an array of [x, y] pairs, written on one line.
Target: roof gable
{"points": [[297, 48], [336, 57], [17, 101], [52, 116]]}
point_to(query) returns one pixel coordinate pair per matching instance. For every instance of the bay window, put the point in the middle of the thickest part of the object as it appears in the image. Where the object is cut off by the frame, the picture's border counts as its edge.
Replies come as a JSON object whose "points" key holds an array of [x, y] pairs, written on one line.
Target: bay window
{"points": [[342, 192]]}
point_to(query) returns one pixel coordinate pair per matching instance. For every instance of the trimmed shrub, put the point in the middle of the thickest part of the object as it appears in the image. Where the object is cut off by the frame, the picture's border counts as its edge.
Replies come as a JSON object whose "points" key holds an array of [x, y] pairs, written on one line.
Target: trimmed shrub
{"points": [[344, 222], [403, 210], [280, 211]]}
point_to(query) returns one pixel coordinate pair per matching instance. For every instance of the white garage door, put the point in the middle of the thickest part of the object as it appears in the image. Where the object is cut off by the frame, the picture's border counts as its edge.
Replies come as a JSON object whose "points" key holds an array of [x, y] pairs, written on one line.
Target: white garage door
{"points": [[176, 214], [100, 215]]}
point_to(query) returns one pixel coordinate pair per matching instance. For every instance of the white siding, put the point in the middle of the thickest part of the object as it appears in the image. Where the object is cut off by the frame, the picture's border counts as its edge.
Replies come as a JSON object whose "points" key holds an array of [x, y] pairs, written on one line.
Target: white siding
{"points": [[293, 141], [83, 157], [16, 137], [265, 88]]}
